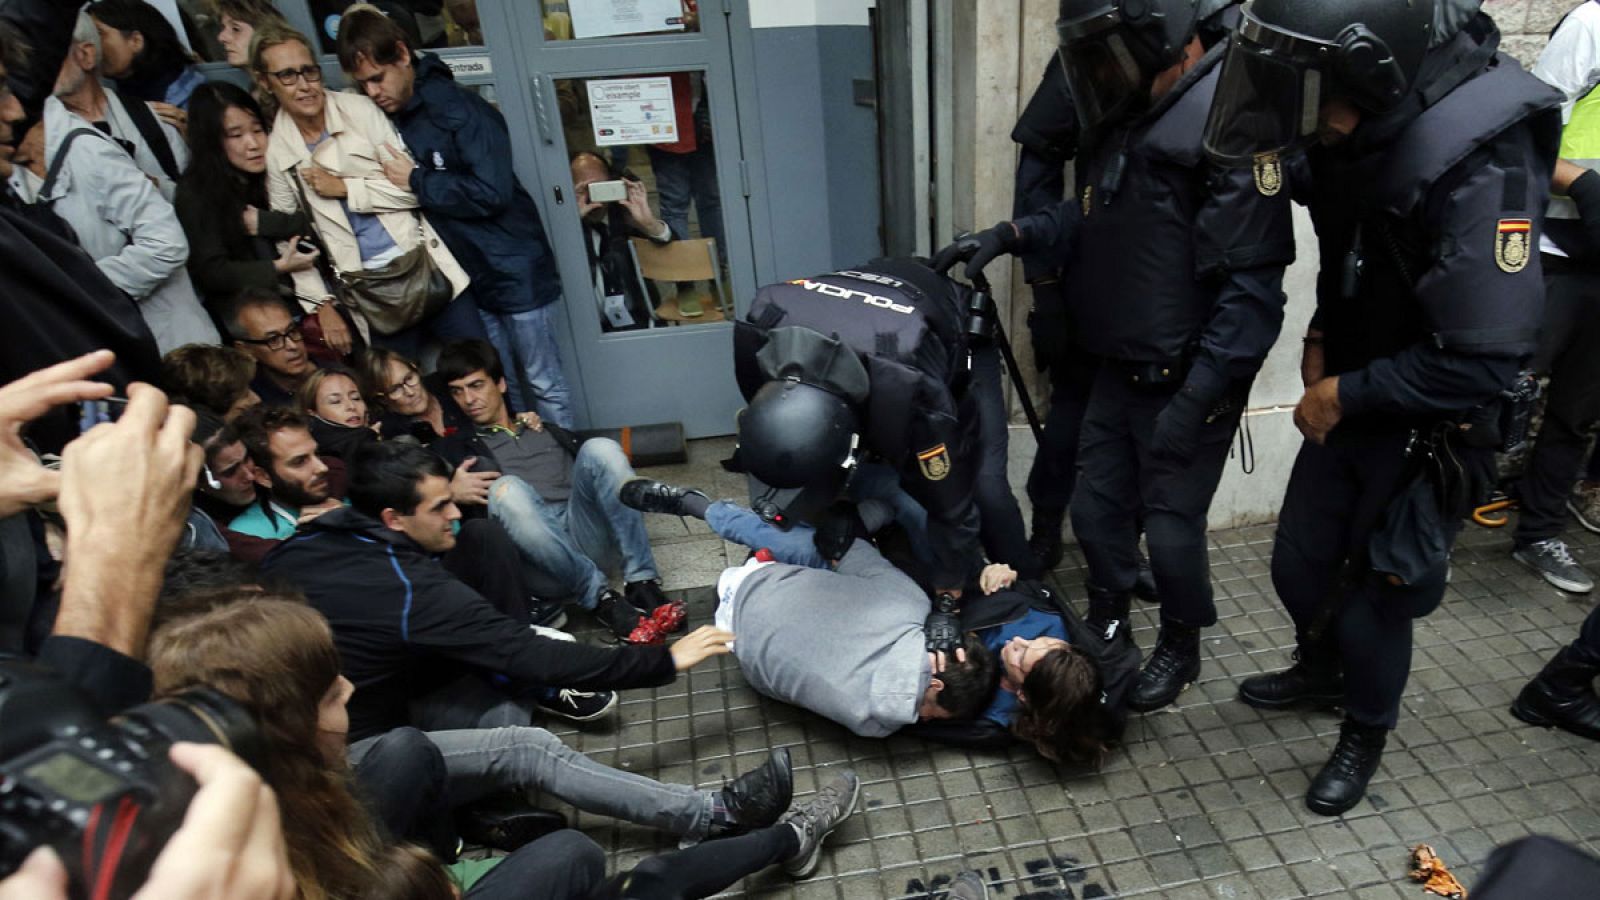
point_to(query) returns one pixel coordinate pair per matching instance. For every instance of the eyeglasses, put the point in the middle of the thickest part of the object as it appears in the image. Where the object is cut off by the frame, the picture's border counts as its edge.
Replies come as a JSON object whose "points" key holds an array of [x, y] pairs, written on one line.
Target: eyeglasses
{"points": [[408, 385], [277, 341], [287, 77]]}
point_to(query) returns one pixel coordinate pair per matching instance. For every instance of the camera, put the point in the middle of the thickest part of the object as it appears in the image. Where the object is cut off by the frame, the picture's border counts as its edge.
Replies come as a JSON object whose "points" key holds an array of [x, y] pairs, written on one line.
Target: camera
{"points": [[101, 792], [608, 191]]}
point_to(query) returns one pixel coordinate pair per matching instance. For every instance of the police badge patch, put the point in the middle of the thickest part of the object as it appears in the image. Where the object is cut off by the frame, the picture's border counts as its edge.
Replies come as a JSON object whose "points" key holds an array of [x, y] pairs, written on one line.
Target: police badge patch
{"points": [[1511, 244], [1269, 174], [935, 463]]}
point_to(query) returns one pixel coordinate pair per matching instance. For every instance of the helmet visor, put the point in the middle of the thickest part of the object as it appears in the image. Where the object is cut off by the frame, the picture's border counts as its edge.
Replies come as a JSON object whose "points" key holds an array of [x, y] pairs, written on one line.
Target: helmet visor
{"points": [[1264, 104], [1102, 72]]}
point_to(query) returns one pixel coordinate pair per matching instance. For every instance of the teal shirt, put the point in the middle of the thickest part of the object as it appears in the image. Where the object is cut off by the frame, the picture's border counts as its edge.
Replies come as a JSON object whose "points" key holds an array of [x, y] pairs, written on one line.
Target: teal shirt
{"points": [[274, 522]]}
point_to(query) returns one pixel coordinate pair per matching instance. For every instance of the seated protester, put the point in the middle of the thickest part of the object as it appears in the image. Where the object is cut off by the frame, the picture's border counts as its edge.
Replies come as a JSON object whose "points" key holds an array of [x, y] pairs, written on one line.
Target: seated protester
{"points": [[561, 506], [225, 490], [267, 328], [291, 480], [144, 56], [235, 240], [422, 648], [121, 220], [410, 403], [624, 300], [211, 379], [157, 148], [331, 399], [278, 659], [1050, 693]]}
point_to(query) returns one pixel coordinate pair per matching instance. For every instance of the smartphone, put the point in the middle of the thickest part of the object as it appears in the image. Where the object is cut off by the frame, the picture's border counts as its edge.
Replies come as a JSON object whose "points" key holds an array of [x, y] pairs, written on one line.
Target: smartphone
{"points": [[608, 191], [304, 245], [93, 412]]}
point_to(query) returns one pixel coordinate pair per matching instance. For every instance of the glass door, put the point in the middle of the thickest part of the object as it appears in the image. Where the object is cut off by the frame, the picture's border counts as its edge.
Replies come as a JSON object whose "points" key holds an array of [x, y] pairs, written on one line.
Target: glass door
{"points": [[632, 126]]}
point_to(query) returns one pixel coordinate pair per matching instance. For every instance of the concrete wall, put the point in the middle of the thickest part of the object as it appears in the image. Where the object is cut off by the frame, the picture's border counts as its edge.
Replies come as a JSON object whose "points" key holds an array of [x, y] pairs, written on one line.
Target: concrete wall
{"points": [[820, 149], [998, 65]]}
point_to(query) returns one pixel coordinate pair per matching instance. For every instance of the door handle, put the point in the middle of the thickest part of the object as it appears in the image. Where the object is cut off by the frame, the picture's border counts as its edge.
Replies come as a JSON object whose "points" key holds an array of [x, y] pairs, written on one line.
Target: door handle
{"points": [[537, 85]]}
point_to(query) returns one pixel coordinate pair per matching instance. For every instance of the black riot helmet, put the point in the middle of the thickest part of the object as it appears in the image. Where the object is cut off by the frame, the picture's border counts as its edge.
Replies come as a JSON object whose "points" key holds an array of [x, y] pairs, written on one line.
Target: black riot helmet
{"points": [[1112, 51], [1291, 56], [797, 435]]}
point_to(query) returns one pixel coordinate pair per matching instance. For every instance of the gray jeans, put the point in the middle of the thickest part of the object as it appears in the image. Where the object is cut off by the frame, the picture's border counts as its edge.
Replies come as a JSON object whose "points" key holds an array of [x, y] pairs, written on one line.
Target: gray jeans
{"points": [[499, 756]]}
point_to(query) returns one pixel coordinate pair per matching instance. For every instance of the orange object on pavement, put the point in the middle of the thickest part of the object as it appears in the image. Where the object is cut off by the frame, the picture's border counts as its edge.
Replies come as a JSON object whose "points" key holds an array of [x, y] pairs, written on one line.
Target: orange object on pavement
{"points": [[1428, 868]]}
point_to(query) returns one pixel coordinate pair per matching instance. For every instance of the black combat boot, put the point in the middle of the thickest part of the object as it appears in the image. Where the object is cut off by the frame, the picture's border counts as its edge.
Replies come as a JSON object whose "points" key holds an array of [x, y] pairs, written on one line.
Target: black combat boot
{"points": [[1108, 613], [1343, 780], [1313, 680], [1045, 542], [1173, 666], [1562, 695]]}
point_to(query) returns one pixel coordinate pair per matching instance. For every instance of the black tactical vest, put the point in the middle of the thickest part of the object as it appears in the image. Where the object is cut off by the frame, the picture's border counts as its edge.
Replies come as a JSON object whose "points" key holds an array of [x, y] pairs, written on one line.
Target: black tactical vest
{"points": [[1132, 281]]}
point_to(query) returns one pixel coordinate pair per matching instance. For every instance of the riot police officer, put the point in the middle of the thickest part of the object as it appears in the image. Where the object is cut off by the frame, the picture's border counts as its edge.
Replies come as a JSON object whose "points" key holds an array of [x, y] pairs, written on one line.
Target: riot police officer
{"points": [[1172, 270], [1429, 160]]}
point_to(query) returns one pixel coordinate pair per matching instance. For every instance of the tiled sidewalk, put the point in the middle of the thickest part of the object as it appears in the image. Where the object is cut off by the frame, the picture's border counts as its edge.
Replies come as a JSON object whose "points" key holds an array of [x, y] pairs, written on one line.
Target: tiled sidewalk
{"points": [[1203, 800]]}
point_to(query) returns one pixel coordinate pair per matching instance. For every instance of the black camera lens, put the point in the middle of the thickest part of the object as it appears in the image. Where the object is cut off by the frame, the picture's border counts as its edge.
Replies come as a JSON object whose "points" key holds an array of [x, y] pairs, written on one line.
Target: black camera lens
{"points": [[199, 715]]}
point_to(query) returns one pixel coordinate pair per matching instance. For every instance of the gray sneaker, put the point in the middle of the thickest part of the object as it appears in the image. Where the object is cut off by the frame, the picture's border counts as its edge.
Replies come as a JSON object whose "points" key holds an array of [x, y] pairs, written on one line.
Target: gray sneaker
{"points": [[969, 885], [1585, 505], [1554, 562], [816, 817]]}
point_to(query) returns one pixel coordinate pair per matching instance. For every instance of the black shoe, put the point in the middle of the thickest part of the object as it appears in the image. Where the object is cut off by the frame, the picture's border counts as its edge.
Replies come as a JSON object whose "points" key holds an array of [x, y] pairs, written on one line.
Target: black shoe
{"points": [[616, 614], [506, 827], [649, 495], [1343, 780], [645, 596], [1173, 666], [578, 706], [758, 797], [1144, 587], [546, 613], [1311, 681], [1562, 696], [1108, 613], [815, 819], [969, 885], [1045, 542]]}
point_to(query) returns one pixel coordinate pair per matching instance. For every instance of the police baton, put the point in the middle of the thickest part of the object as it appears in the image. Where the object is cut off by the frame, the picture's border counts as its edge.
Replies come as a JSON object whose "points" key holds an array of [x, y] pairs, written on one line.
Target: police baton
{"points": [[983, 320]]}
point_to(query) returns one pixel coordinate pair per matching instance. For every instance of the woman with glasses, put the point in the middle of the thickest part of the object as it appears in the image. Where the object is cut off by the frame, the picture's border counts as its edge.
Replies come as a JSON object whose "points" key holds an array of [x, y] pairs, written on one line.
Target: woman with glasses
{"points": [[325, 156], [406, 402]]}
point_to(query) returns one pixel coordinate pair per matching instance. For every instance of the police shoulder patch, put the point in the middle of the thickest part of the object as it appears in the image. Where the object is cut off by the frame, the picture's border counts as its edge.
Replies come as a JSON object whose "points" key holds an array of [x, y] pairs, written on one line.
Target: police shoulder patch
{"points": [[935, 463], [1269, 174], [1513, 244]]}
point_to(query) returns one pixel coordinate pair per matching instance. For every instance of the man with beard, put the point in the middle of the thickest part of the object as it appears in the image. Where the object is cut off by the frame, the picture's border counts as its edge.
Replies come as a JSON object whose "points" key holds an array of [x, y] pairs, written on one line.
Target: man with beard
{"points": [[291, 480]]}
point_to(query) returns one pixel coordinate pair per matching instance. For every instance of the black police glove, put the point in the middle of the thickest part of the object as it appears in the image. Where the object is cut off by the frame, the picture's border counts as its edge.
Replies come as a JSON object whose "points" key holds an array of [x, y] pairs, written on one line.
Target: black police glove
{"points": [[977, 250], [837, 530], [1585, 194], [1047, 324], [943, 627], [1176, 436]]}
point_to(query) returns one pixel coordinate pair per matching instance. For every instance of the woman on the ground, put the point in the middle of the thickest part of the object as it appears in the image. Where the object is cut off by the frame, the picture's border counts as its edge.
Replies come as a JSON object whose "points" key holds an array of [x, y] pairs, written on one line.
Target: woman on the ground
{"points": [[407, 401], [339, 422], [278, 659], [325, 156]]}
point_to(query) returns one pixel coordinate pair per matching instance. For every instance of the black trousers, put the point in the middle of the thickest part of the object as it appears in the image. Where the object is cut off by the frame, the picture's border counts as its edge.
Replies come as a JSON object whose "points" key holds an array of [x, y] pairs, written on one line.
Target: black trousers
{"points": [[1121, 485], [402, 782], [1335, 499], [1588, 642], [566, 865], [711, 867], [1055, 466], [486, 560], [1570, 353], [1000, 525]]}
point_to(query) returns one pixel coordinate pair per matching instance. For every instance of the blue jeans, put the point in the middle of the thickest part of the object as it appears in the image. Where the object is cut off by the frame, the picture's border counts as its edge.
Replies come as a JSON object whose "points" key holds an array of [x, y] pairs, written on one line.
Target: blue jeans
{"points": [[681, 177], [876, 481], [568, 544], [740, 525], [527, 345]]}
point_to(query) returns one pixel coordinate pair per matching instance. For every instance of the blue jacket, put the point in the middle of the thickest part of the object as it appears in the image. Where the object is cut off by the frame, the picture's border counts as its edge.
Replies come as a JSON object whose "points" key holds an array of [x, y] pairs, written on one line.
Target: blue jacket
{"points": [[466, 185]]}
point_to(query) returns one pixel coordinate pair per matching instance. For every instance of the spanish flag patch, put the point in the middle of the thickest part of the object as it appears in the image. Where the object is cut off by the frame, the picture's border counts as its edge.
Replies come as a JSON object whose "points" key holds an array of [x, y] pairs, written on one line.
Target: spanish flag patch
{"points": [[1512, 244]]}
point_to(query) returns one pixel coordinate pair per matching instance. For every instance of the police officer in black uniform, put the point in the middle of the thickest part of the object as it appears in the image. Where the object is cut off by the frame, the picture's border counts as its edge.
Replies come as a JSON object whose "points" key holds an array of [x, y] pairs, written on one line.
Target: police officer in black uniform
{"points": [[1429, 162], [1172, 272]]}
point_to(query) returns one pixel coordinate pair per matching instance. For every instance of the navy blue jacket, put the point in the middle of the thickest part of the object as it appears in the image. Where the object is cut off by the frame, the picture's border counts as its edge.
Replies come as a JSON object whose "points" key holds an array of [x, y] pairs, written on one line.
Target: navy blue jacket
{"points": [[466, 185]]}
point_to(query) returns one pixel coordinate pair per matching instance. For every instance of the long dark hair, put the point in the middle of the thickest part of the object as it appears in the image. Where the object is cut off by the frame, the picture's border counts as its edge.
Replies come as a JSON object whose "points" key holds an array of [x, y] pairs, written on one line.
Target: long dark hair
{"points": [[1060, 713], [163, 54], [226, 189]]}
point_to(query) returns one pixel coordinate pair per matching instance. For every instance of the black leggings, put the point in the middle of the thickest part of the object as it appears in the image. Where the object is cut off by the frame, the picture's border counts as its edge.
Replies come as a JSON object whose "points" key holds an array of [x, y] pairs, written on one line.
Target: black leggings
{"points": [[711, 867]]}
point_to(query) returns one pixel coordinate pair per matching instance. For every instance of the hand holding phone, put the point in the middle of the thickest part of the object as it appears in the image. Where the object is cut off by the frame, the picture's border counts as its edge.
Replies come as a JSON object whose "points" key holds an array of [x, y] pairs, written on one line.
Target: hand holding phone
{"points": [[608, 191]]}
